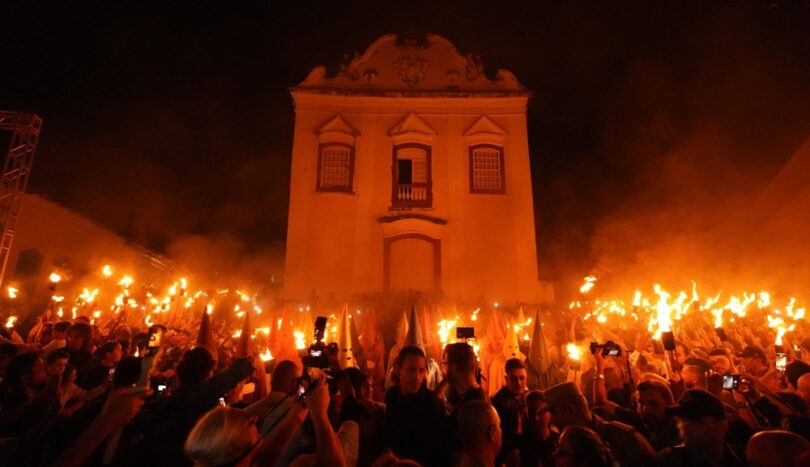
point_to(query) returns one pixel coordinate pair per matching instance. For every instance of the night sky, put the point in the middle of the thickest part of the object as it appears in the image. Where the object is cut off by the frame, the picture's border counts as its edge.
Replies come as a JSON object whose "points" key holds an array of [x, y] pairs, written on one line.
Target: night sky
{"points": [[172, 124]]}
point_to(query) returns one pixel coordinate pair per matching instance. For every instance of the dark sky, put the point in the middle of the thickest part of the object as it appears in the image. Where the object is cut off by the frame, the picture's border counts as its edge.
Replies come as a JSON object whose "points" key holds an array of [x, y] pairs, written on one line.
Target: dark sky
{"points": [[172, 119]]}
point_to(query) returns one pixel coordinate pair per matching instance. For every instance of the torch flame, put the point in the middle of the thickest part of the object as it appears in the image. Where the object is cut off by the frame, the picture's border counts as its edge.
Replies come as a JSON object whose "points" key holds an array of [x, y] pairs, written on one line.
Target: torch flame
{"points": [[588, 285], [106, 271], [266, 356], [574, 352], [10, 322], [55, 278], [12, 292], [125, 282], [300, 340]]}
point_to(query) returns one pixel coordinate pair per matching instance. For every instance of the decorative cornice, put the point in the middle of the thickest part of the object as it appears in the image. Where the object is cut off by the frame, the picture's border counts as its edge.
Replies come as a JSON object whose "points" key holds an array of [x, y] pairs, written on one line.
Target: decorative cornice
{"points": [[401, 217]]}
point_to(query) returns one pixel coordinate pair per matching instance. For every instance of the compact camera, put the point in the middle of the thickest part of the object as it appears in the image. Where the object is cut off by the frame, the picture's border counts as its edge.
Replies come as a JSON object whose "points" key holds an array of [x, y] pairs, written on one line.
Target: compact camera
{"points": [[609, 349]]}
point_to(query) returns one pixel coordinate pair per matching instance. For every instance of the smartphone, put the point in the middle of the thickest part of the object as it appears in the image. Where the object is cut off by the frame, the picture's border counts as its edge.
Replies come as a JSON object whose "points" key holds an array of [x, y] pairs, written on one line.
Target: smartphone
{"points": [[781, 362], [155, 338], [222, 402], [302, 391], [161, 388], [731, 381], [668, 340]]}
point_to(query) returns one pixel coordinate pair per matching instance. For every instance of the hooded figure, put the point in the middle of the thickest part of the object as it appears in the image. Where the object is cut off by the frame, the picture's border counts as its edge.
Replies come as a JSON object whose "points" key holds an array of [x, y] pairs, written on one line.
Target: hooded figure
{"points": [[542, 372], [205, 337], [497, 369], [345, 342], [374, 349], [492, 347], [414, 338], [399, 343]]}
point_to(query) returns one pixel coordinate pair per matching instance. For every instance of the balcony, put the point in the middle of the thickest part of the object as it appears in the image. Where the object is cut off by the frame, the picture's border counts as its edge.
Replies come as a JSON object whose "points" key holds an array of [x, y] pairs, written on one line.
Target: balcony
{"points": [[412, 195]]}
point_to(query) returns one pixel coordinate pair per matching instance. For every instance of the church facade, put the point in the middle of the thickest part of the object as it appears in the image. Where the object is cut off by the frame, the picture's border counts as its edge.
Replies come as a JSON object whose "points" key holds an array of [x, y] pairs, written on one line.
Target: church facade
{"points": [[410, 173]]}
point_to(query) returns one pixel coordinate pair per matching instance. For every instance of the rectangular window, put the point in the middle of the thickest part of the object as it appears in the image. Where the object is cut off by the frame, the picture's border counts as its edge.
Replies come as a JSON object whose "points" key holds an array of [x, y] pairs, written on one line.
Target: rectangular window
{"points": [[335, 167], [486, 169]]}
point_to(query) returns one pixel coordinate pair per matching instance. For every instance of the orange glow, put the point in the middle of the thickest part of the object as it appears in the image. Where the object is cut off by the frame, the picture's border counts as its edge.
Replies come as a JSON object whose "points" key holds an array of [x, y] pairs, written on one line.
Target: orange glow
{"points": [[266, 356], [574, 352], [55, 278]]}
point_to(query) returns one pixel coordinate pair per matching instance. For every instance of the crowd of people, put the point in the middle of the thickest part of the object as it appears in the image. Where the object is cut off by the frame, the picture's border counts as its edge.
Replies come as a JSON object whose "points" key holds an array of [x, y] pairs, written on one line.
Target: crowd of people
{"points": [[74, 394]]}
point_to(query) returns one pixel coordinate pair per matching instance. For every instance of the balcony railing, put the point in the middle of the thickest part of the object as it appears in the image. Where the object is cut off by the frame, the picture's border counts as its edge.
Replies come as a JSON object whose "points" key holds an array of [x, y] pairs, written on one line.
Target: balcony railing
{"points": [[412, 195]]}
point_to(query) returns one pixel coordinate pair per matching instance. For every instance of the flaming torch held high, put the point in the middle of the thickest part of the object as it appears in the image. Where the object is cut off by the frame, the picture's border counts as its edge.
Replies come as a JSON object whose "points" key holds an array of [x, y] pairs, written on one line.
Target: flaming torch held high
{"points": [[590, 282], [12, 293]]}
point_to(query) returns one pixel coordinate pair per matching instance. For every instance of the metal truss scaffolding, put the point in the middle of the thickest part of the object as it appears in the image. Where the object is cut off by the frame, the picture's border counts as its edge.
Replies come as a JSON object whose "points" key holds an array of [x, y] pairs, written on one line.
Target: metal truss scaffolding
{"points": [[25, 128]]}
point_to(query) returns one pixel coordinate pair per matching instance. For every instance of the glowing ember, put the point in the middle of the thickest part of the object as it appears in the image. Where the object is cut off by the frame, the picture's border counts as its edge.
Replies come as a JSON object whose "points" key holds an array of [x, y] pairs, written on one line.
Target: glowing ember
{"points": [[12, 292]]}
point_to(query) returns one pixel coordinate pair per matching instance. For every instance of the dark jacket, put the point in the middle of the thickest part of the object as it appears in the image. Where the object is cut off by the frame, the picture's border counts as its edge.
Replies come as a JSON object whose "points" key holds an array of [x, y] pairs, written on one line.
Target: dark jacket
{"points": [[415, 427], [626, 444]]}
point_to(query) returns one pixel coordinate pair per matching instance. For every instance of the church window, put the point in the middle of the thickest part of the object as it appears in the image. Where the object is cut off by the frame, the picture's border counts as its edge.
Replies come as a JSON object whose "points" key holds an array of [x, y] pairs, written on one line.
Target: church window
{"points": [[487, 169], [335, 167]]}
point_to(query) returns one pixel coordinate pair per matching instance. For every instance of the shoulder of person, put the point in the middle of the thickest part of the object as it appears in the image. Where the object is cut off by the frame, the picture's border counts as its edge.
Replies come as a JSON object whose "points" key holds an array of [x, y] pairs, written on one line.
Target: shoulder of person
{"points": [[675, 455]]}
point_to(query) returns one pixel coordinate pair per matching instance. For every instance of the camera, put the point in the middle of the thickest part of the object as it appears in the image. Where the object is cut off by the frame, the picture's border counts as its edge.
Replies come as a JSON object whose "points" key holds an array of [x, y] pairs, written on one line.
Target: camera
{"points": [[731, 381], [609, 349], [463, 333], [318, 354]]}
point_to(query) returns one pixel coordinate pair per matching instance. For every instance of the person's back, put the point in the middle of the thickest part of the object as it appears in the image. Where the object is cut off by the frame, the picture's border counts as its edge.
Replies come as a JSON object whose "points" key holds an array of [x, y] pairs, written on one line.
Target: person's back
{"points": [[775, 448], [479, 433]]}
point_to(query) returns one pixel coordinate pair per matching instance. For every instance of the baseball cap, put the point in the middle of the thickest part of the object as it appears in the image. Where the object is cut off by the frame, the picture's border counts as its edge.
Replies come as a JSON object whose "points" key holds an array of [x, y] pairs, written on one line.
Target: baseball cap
{"points": [[696, 404]]}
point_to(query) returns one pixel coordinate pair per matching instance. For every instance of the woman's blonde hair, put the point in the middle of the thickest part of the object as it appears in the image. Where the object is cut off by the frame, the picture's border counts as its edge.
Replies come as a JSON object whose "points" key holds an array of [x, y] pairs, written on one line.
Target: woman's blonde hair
{"points": [[217, 438]]}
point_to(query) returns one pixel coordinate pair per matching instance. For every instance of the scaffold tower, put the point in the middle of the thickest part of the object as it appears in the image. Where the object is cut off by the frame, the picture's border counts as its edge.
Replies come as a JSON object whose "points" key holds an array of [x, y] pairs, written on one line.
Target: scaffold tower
{"points": [[24, 128]]}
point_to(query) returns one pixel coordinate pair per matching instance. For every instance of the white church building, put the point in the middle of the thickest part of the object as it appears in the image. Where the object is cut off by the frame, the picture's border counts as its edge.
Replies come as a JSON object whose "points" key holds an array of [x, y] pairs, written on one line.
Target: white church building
{"points": [[410, 172]]}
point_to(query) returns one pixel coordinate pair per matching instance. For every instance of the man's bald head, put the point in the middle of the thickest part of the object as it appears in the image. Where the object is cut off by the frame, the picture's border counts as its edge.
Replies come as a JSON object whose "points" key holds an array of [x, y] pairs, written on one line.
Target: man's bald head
{"points": [[478, 426], [775, 448]]}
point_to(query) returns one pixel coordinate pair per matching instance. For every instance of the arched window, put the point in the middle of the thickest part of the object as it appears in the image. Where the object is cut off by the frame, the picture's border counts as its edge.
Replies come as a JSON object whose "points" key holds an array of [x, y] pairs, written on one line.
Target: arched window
{"points": [[412, 183], [335, 167], [487, 173]]}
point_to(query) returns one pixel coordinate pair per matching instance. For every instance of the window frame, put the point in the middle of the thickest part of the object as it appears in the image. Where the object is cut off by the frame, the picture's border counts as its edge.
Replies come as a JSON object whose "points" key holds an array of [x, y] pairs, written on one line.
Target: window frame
{"points": [[349, 189], [482, 191]]}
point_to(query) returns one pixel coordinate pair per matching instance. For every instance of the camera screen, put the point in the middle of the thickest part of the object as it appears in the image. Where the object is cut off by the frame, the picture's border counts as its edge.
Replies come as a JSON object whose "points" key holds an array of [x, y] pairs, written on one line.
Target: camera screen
{"points": [[315, 353], [161, 387], [613, 352], [301, 391]]}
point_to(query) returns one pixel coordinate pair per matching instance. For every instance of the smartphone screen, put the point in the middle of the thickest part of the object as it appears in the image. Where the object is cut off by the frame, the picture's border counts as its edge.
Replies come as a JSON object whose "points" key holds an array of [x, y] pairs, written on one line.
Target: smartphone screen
{"points": [[248, 388], [781, 362], [731, 381]]}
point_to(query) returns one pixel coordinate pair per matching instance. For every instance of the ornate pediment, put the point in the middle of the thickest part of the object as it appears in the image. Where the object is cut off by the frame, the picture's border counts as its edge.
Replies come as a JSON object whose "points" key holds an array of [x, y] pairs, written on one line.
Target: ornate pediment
{"points": [[486, 126], [484, 130], [410, 64], [337, 129], [412, 129]]}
